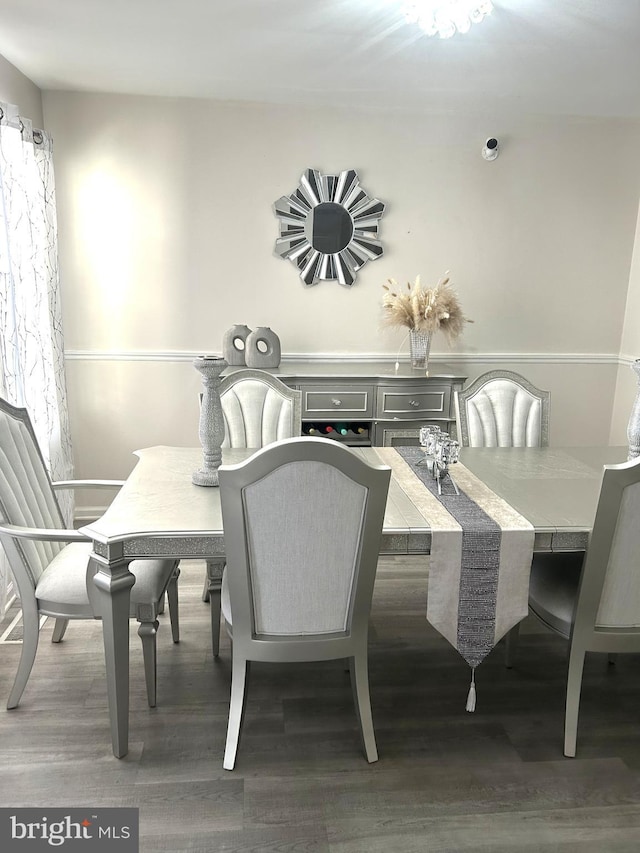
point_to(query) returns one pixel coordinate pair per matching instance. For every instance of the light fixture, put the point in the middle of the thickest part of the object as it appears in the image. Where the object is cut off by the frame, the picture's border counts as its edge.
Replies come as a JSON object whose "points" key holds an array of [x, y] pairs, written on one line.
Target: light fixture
{"points": [[446, 17]]}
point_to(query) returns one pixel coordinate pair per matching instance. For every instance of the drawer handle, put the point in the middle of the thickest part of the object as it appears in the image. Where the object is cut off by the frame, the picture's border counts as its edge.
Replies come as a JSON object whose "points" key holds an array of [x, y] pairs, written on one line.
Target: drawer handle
{"points": [[414, 403], [335, 401]]}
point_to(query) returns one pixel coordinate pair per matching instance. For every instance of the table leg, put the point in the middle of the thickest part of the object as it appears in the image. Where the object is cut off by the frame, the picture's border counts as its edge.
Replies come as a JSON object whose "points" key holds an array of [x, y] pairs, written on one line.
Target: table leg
{"points": [[111, 597], [215, 567]]}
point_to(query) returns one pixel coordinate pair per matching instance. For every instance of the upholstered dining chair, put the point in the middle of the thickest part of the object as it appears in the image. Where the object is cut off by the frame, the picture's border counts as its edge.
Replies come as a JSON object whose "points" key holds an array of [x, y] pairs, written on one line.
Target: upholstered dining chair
{"points": [[50, 564], [502, 409], [298, 581], [593, 599], [258, 409]]}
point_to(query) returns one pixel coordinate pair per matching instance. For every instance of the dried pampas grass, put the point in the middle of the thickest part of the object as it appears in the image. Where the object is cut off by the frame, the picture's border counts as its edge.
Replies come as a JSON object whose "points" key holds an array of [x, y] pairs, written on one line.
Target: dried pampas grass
{"points": [[431, 310]]}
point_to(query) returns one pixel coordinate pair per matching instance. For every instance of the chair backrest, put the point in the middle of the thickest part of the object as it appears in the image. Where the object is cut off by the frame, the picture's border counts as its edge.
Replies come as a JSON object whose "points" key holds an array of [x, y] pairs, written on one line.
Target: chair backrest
{"points": [[609, 595], [302, 525], [27, 498], [258, 409], [502, 409]]}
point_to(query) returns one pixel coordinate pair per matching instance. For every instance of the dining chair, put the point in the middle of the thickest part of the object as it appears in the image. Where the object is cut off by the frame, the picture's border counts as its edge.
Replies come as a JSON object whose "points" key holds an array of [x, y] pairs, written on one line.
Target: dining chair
{"points": [[502, 409], [593, 599], [302, 523], [51, 564], [258, 409]]}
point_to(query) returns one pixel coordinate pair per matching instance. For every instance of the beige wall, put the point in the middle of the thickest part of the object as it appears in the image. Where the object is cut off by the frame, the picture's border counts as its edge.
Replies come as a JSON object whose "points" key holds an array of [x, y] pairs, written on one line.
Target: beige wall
{"points": [[630, 347], [17, 89], [167, 229], [627, 380]]}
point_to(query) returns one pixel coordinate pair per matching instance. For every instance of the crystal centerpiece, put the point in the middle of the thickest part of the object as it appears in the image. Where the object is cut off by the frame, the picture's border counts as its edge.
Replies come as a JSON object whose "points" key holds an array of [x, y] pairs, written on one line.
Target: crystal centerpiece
{"points": [[440, 451]]}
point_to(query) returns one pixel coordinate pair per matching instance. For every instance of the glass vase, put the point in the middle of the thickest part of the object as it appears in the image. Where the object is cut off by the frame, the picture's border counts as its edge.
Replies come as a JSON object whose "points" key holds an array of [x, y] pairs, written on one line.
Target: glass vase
{"points": [[419, 347]]}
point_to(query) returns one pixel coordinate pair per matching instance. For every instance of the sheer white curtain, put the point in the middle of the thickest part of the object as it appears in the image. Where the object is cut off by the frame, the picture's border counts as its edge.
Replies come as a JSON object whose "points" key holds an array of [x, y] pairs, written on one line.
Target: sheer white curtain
{"points": [[31, 344]]}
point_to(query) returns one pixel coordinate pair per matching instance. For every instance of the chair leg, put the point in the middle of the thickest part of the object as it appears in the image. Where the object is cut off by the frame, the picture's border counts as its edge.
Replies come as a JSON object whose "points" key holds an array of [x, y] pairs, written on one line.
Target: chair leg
{"points": [[215, 571], [30, 636], [360, 686], [214, 601], [147, 633], [511, 646], [59, 630], [205, 591], [239, 676], [172, 598], [574, 686]]}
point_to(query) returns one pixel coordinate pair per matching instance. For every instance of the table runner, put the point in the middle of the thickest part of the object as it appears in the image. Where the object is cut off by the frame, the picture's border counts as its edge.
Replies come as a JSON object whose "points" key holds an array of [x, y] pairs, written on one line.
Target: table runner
{"points": [[481, 551]]}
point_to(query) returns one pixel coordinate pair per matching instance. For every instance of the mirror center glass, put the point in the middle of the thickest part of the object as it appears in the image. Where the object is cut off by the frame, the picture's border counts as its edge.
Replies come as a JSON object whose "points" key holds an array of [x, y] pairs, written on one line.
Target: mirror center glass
{"points": [[329, 228]]}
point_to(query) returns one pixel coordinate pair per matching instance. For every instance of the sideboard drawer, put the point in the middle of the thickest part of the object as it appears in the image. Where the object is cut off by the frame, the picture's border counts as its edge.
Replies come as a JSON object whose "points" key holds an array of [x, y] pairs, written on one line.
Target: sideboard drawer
{"points": [[321, 401], [419, 401]]}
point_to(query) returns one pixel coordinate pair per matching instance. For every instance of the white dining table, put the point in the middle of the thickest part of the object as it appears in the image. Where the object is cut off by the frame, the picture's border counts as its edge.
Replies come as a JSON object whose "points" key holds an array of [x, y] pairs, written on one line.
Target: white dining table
{"points": [[160, 513]]}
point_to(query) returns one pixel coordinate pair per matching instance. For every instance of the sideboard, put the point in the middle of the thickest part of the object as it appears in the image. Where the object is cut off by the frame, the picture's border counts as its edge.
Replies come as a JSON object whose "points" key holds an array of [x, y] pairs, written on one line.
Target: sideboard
{"points": [[371, 403]]}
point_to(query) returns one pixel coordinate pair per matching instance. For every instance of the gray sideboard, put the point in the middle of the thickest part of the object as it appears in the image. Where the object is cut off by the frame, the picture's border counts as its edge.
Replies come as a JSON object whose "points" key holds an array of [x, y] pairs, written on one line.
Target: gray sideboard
{"points": [[376, 404]]}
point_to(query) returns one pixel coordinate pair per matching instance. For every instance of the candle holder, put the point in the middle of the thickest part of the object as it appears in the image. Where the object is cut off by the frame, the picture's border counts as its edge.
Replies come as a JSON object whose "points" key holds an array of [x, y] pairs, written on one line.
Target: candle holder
{"points": [[428, 440], [440, 451], [211, 430]]}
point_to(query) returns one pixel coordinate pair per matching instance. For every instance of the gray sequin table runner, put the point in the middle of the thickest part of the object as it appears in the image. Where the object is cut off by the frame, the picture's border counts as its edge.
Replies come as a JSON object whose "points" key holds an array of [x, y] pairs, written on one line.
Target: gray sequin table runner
{"points": [[481, 538]]}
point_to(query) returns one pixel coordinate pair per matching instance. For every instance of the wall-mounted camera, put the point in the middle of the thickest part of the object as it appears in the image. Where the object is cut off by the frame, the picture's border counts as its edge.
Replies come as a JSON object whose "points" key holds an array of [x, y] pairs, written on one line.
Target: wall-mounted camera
{"points": [[491, 149]]}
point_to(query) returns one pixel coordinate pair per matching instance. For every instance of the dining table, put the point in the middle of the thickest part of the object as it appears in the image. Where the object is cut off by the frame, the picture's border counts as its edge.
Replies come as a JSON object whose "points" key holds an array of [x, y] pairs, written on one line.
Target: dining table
{"points": [[160, 513]]}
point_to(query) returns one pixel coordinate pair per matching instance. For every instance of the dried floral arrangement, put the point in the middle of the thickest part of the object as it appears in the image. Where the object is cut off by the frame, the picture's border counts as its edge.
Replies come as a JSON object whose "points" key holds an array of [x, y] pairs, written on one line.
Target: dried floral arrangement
{"points": [[431, 310]]}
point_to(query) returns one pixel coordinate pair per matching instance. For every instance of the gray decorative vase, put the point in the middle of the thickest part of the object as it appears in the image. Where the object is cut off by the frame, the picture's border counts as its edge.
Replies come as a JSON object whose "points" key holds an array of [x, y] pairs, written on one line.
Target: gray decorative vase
{"points": [[234, 345], [633, 428], [211, 419], [263, 348]]}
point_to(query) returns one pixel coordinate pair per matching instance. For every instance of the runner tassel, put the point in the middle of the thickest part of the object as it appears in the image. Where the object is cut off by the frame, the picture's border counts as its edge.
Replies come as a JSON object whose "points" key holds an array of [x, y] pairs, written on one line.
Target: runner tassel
{"points": [[471, 698]]}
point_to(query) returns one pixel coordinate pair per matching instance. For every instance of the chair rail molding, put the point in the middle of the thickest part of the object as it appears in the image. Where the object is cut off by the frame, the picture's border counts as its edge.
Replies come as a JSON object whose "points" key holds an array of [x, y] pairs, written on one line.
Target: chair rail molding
{"points": [[447, 357]]}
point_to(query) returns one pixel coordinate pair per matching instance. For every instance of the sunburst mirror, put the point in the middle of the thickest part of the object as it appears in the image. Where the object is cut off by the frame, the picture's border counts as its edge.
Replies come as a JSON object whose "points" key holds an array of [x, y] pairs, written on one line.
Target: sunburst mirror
{"points": [[329, 227]]}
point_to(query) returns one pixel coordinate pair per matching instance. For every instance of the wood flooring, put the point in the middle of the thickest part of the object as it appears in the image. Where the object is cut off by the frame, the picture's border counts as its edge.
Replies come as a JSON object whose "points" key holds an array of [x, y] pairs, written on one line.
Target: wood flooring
{"points": [[447, 781]]}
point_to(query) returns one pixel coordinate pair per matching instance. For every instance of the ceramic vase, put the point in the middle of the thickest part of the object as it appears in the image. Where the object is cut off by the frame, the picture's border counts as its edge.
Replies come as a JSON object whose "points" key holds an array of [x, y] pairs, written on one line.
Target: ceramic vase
{"points": [[234, 345], [633, 428], [211, 419], [263, 348]]}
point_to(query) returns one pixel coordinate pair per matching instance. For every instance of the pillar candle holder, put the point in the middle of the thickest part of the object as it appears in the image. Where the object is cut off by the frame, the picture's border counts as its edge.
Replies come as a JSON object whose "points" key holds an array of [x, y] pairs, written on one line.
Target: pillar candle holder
{"points": [[211, 419]]}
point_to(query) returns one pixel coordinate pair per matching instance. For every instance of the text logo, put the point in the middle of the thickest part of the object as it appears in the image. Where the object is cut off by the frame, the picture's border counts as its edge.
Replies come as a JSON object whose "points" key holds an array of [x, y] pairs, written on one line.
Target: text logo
{"points": [[109, 829]]}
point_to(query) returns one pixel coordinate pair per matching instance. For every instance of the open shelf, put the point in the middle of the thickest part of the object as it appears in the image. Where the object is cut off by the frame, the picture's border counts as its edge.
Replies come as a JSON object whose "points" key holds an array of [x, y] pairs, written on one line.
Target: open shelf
{"points": [[353, 433]]}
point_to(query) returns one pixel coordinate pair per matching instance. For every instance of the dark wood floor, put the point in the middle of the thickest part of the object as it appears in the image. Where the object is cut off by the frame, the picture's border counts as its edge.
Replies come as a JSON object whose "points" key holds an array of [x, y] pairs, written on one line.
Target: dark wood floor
{"points": [[447, 781]]}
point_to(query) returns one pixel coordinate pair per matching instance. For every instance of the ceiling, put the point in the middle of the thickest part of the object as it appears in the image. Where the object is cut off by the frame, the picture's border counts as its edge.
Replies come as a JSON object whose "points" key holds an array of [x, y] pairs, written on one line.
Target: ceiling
{"points": [[576, 57]]}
